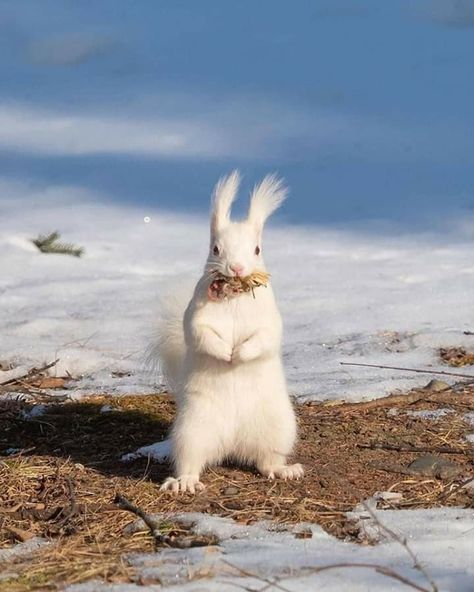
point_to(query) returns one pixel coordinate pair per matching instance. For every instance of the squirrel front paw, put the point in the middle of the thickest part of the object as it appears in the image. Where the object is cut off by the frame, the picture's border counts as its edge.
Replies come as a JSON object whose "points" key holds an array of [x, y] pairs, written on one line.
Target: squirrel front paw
{"points": [[182, 484], [221, 351], [227, 353], [246, 351]]}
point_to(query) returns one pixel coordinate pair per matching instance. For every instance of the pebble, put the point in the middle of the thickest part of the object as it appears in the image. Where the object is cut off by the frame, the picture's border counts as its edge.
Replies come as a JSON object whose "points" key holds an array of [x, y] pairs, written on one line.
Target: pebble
{"points": [[437, 386], [435, 466]]}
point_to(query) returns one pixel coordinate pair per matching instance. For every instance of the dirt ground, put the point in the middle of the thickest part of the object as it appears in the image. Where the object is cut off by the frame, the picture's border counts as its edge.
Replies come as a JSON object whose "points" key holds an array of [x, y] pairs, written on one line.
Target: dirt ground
{"points": [[62, 477]]}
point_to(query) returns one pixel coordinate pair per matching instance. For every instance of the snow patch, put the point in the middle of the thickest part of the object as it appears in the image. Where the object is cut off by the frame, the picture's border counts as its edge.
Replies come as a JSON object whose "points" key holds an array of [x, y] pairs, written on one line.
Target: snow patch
{"points": [[442, 540], [159, 452], [344, 295], [433, 414]]}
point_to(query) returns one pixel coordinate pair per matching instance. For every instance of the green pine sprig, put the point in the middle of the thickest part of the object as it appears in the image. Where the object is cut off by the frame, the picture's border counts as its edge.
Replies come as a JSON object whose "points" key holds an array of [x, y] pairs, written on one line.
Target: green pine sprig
{"points": [[50, 243]]}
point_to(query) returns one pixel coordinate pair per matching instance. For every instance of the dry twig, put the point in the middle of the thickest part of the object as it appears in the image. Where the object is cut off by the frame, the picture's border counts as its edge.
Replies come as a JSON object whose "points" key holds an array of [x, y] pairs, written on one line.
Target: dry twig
{"points": [[419, 370], [160, 539], [409, 448]]}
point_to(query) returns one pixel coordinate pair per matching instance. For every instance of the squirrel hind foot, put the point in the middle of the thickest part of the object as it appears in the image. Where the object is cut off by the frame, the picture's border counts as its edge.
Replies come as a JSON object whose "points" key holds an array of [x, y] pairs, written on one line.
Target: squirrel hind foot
{"points": [[285, 472], [182, 484]]}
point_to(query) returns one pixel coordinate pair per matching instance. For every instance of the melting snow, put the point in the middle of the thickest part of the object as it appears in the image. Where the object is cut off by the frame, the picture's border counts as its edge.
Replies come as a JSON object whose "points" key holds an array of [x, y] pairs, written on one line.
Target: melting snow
{"points": [[345, 296]]}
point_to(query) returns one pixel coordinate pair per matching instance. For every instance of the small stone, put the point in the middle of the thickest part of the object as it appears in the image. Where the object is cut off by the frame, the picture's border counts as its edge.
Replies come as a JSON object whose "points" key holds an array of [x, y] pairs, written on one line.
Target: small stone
{"points": [[5, 365], [231, 490], [437, 386], [134, 527], [434, 466]]}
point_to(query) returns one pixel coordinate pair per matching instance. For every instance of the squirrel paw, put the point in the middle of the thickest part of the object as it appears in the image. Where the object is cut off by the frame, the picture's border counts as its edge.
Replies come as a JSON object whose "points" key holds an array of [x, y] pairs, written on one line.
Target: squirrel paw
{"points": [[285, 472], [182, 484], [246, 351]]}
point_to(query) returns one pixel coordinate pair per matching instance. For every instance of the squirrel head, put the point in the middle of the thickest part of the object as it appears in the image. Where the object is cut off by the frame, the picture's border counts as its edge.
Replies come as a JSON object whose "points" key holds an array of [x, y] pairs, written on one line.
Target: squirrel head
{"points": [[236, 247]]}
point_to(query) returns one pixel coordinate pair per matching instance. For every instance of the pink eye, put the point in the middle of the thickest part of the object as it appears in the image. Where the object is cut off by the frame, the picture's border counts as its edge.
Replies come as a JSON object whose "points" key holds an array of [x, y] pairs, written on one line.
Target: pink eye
{"points": [[257, 250], [215, 250]]}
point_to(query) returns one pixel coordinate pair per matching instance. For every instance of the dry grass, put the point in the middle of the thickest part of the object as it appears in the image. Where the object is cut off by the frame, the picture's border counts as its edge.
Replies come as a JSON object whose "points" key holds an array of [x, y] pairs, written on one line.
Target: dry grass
{"points": [[456, 356], [223, 286], [62, 486]]}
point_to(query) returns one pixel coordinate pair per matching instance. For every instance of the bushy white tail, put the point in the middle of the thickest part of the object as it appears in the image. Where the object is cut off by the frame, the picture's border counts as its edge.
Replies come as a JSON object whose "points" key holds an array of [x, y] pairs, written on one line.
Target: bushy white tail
{"points": [[167, 349]]}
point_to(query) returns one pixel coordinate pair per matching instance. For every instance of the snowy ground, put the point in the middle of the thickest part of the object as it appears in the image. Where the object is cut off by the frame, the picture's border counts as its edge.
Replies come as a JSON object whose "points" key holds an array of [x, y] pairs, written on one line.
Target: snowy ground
{"points": [[442, 541], [371, 295]]}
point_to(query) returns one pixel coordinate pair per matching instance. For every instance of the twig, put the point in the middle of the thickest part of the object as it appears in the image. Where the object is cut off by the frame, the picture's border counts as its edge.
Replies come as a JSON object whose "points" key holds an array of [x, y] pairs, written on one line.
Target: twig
{"points": [[409, 448], [159, 538], [30, 374], [269, 583], [392, 468], [381, 569], [403, 541], [124, 504], [442, 372]]}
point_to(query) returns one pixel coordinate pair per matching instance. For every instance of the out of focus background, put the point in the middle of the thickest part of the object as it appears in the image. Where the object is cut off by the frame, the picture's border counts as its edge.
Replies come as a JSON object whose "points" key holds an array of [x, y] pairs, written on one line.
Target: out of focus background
{"points": [[365, 107], [118, 117]]}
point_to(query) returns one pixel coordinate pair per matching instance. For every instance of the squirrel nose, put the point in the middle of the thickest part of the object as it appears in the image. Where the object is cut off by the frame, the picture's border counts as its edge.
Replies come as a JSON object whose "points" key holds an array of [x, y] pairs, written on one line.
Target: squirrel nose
{"points": [[237, 269]]}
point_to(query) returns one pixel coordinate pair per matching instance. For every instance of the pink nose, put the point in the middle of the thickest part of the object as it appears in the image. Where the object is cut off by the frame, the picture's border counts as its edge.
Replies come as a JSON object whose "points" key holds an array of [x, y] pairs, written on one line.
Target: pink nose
{"points": [[237, 269]]}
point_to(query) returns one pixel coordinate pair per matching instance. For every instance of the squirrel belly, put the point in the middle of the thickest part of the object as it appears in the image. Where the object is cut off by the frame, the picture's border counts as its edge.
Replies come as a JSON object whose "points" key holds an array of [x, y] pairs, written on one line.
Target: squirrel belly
{"points": [[232, 408], [244, 404]]}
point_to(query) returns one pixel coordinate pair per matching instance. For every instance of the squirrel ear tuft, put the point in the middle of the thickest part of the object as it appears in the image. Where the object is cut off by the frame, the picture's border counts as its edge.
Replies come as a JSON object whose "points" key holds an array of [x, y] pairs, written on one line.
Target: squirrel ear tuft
{"points": [[266, 197], [224, 194]]}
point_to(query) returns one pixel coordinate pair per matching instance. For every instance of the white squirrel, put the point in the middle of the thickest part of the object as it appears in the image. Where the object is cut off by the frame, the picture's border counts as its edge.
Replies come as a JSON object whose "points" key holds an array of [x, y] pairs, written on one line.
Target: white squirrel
{"points": [[222, 359]]}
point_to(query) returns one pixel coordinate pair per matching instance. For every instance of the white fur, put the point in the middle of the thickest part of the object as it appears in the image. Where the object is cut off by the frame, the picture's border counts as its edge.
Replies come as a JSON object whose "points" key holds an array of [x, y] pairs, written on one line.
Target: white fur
{"points": [[223, 358]]}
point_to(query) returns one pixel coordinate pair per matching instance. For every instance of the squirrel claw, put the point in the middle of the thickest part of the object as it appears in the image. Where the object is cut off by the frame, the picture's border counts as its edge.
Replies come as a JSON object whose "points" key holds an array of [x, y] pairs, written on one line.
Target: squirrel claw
{"points": [[182, 484]]}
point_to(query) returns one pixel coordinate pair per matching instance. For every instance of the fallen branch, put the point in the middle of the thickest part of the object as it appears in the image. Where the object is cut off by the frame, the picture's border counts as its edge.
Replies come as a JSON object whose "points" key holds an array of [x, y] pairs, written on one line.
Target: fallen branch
{"points": [[391, 468], [410, 399], [159, 538], [409, 448], [419, 370], [124, 504]]}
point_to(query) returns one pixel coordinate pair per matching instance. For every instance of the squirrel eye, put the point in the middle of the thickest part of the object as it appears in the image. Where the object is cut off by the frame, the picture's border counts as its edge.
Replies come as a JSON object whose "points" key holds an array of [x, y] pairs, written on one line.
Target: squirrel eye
{"points": [[215, 250], [257, 250]]}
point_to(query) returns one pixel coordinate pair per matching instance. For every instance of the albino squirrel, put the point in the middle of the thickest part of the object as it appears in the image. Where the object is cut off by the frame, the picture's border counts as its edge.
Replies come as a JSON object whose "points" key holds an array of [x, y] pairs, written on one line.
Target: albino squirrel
{"points": [[221, 355]]}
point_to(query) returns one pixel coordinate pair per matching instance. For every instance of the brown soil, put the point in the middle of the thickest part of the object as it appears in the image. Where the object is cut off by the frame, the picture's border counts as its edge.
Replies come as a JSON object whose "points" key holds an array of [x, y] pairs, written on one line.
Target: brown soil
{"points": [[62, 483]]}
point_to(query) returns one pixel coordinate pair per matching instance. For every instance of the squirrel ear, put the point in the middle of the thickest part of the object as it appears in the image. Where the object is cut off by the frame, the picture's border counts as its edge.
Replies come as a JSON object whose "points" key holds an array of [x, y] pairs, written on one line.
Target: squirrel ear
{"points": [[265, 199], [224, 194]]}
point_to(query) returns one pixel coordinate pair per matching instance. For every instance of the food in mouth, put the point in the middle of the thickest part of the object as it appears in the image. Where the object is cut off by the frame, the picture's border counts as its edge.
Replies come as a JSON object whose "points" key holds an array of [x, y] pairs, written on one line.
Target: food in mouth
{"points": [[223, 287]]}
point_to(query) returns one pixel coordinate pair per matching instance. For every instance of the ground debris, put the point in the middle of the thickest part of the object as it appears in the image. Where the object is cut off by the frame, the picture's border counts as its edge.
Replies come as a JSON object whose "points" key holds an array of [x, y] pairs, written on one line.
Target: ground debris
{"points": [[456, 356], [61, 484]]}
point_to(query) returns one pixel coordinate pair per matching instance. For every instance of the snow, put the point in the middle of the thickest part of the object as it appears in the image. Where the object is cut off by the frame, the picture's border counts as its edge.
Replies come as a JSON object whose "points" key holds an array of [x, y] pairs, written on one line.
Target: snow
{"points": [[433, 414], [367, 295], [159, 452], [23, 549], [441, 539], [469, 418]]}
